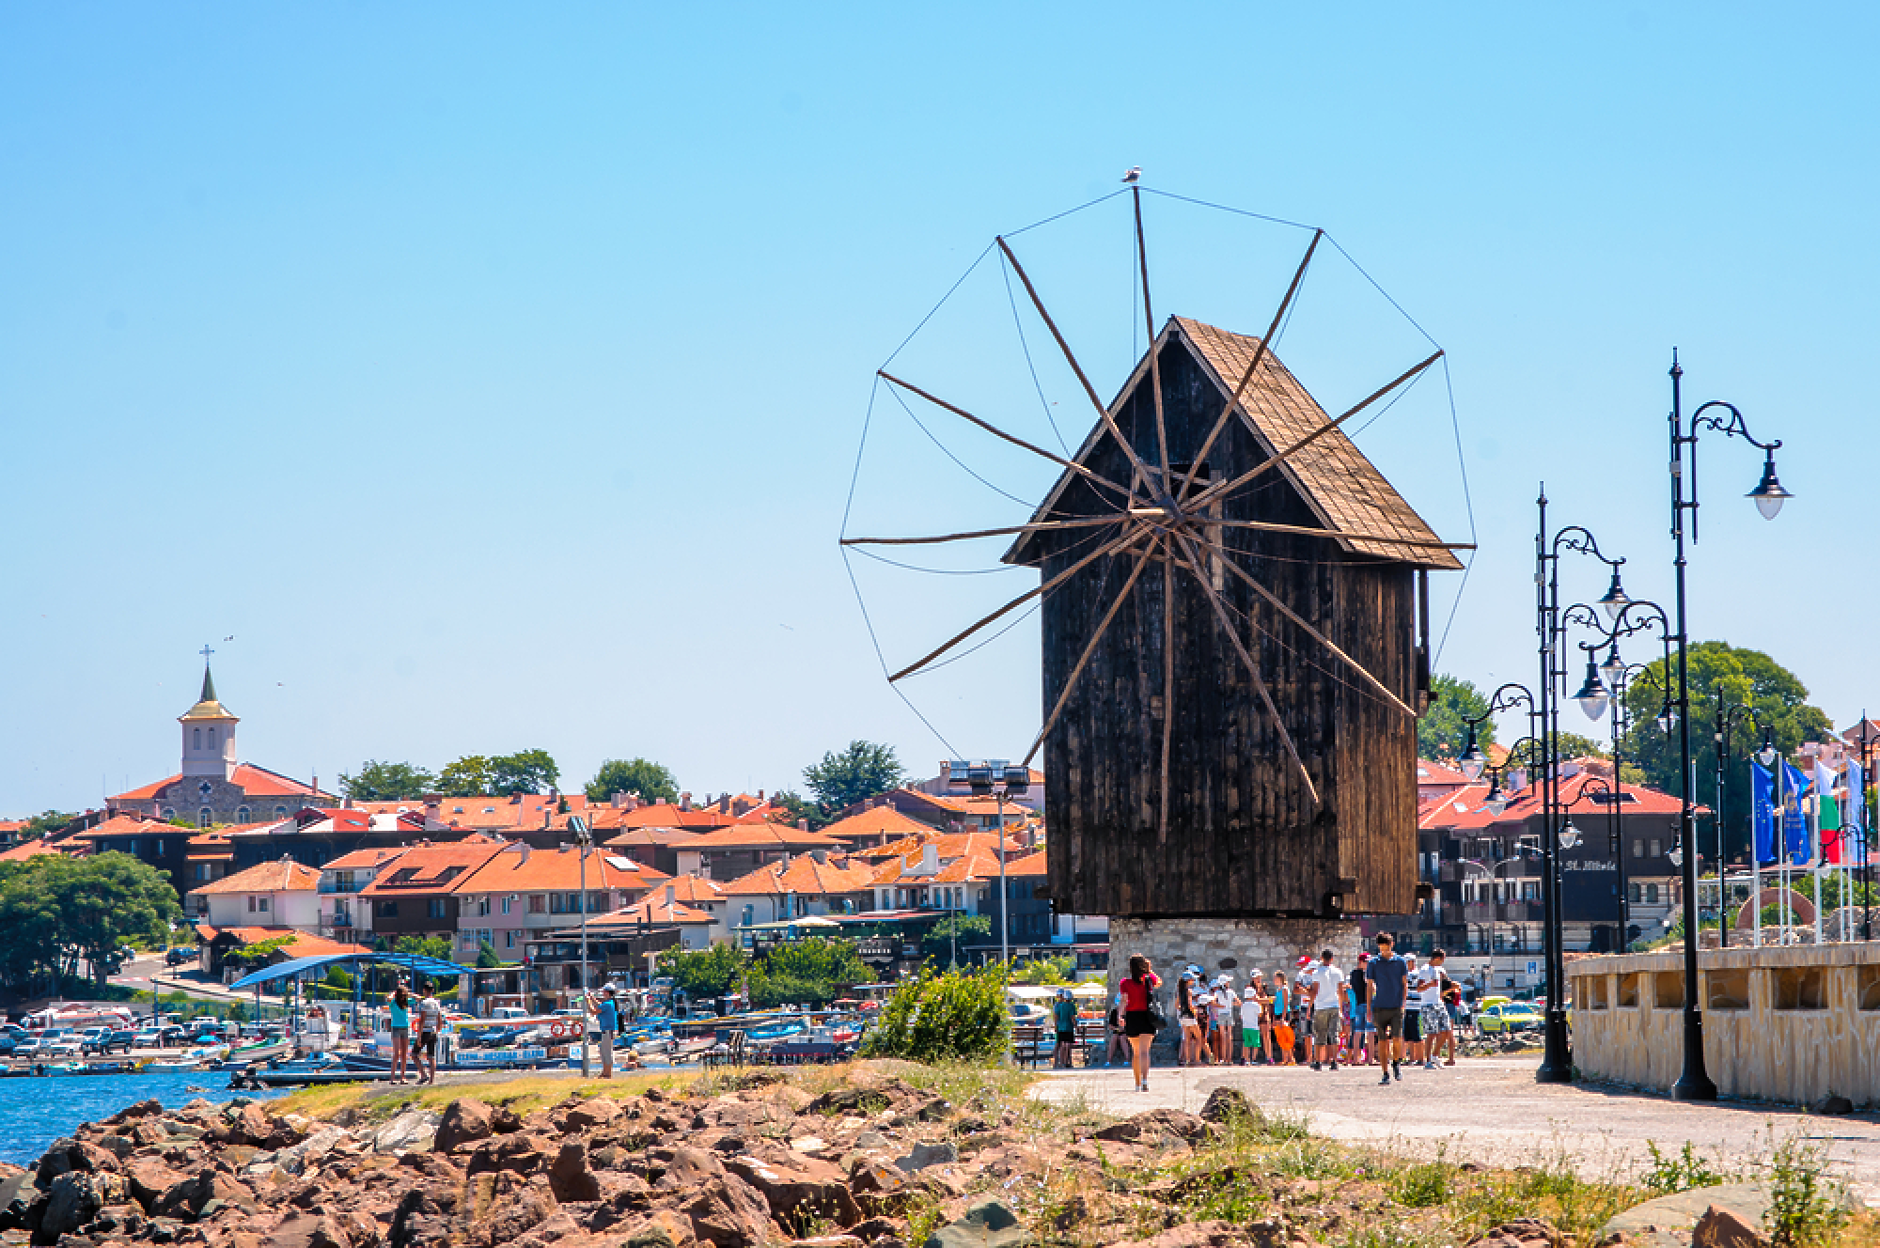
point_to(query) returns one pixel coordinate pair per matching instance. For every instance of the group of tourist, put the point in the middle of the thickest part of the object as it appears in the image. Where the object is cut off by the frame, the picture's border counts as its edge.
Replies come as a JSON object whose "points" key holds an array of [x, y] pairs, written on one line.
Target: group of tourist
{"points": [[1387, 1011]]}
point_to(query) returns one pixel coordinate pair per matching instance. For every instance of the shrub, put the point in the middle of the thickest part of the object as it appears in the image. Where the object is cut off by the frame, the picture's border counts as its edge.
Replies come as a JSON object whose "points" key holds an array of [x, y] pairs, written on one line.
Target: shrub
{"points": [[950, 1016]]}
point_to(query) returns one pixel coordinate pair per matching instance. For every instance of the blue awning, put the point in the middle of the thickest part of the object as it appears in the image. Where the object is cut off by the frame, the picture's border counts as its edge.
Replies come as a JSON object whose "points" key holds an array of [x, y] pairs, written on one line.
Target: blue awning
{"points": [[435, 967]]}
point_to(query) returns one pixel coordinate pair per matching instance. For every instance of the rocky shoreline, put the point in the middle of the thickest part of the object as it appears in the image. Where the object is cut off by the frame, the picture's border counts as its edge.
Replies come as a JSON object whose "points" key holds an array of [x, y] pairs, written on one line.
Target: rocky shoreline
{"points": [[876, 1155]]}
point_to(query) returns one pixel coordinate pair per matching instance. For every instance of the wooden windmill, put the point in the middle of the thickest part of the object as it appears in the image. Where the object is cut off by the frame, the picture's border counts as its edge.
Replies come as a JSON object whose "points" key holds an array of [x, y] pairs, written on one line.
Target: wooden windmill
{"points": [[1235, 639]]}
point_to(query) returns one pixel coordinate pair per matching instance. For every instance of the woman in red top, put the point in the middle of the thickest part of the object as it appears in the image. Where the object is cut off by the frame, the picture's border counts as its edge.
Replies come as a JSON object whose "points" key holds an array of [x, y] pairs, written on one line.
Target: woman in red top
{"points": [[1137, 1023]]}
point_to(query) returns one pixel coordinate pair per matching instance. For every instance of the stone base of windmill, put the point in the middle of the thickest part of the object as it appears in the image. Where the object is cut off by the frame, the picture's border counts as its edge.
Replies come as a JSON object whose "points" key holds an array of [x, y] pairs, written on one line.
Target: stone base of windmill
{"points": [[1236, 946]]}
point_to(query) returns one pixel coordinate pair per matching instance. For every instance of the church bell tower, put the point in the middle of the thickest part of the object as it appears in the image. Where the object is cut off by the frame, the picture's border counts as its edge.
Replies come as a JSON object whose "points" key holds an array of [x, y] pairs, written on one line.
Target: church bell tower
{"points": [[208, 733]]}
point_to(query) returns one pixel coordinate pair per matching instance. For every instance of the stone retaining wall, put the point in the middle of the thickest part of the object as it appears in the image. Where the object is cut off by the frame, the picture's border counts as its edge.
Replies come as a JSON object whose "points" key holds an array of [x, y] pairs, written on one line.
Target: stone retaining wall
{"points": [[1790, 1025]]}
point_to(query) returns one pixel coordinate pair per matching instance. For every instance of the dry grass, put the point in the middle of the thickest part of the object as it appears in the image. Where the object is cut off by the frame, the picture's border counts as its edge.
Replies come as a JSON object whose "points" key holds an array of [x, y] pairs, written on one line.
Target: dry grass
{"points": [[523, 1093]]}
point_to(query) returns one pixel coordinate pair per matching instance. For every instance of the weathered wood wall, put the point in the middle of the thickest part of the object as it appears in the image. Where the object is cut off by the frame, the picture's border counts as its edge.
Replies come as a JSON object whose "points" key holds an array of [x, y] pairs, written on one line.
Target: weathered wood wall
{"points": [[1244, 836]]}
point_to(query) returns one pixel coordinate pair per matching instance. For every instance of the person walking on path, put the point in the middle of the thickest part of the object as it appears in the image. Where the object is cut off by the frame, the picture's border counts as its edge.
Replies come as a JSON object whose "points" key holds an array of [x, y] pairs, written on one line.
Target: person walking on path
{"points": [[1064, 1019], [1389, 978], [1250, 1014], [1328, 1010], [430, 1020], [1282, 1020], [1257, 986], [1138, 1019], [1435, 1022], [606, 1015], [1221, 1020], [1118, 1033], [1362, 1030], [1413, 1012], [1188, 1011], [400, 1024]]}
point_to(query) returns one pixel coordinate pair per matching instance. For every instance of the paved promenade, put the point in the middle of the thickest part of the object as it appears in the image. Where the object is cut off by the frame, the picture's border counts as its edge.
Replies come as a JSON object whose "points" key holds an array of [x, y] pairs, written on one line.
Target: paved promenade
{"points": [[1490, 1110]]}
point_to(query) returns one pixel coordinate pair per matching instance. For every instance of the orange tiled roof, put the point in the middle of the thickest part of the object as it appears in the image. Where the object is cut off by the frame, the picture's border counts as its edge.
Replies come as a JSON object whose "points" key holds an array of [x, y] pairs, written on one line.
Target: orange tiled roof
{"points": [[267, 877], [70, 847], [303, 944], [672, 837], [359, 858], [654, 911], [764, 836], [433, 867], [1030, 864], [252, 780], [879, 821], [517, 868], [803, 874], [691, 888]]}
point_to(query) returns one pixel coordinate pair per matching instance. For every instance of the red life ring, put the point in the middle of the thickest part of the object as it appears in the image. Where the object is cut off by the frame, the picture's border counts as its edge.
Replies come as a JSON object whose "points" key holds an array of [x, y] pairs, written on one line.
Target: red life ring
{"points": [[563, 1029]]}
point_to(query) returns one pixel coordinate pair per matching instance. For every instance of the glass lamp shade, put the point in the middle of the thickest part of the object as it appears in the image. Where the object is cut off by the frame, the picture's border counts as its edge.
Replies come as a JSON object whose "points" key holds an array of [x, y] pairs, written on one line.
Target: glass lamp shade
{"points": [[1769, 494], [1496, 801], [1569, 836], [1612, 671], [1676, 855], [1593, 696], [1474, 763], [1667, 717], [1615, 598], [1767, 755]]}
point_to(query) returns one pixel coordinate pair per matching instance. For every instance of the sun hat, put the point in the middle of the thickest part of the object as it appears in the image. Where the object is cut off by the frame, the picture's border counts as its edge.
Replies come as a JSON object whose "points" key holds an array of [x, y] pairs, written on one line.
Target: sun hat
{"points": [[1249, 992], [1303, 962]]}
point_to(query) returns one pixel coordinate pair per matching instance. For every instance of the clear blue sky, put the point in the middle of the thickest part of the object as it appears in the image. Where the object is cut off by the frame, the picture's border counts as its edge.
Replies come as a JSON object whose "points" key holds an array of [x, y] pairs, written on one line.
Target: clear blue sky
{"points": [[494, 375]]}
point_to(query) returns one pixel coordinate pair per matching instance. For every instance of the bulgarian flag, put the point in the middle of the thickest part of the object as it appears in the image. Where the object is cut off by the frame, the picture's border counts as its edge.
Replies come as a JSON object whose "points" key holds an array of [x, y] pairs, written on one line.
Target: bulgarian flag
{"points": [[1828, 812]]}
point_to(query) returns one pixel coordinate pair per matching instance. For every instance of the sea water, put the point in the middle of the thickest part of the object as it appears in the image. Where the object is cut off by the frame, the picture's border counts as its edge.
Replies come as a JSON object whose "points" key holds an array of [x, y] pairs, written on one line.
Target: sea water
{"points": [[35, 1112]]}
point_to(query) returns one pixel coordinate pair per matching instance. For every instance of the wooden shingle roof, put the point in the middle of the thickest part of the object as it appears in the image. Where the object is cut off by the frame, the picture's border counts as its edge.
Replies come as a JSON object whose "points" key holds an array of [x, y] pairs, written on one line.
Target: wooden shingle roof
{"points": [[1340, 483]]}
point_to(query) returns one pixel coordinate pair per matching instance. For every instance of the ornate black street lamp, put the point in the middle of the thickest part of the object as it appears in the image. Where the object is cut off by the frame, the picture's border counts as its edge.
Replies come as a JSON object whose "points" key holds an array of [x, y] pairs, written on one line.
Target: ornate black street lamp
{"points": [[1694, 1084]]}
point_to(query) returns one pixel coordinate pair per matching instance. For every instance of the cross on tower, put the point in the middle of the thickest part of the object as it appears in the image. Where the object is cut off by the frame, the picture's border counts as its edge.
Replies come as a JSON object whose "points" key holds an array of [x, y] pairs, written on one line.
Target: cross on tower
{"points": [[206, 652]]}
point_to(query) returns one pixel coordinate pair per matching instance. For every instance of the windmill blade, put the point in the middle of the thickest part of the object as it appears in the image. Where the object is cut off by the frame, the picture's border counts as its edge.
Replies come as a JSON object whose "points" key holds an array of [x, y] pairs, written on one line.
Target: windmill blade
{"points": [[1193, 564], [1090, 648], [1268, 526], [1148, 318], [1107, 548], [997, 432], [1224, 554], [1103, 412], [1253, 366], [1220, 488], [1037, 526]]}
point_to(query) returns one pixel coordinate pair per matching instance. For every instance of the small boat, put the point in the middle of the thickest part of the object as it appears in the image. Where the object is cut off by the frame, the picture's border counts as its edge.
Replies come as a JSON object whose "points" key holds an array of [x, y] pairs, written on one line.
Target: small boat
{"points": [[288, 1072], [172, 1064]]}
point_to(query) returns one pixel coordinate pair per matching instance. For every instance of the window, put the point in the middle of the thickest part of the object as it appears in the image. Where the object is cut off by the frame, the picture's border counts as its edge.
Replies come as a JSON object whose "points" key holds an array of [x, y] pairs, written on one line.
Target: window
{"points": [[196, 740], [212, 738], [506, 902], [597, 903], [434, 908], [202, 870], [242, 815], [483, 934], [280, 812], [386, 908], [130, 847], [264, 905], [538, 904], [1638, 892], [1657, 847], [169, 812], [509, 938], [342, 918], [205, 817], [343, 882], [1638, 847], [1651, 894], [483, 905], [251, 903]]}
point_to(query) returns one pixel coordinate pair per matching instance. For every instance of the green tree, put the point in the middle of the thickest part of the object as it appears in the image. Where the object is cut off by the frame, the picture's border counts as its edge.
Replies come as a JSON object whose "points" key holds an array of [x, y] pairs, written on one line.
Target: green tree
{"points": [[487, 957], [652, 781], [951, 1017], [56, 912], [469, 776], [257, 954], [1573, 745], [943, 939], [386, 782], [800, 810], [861, 771], [424, 946], [710, 972], [41, 824], [812, 971], [526, 771], [1442, 732], [1737, 676]]}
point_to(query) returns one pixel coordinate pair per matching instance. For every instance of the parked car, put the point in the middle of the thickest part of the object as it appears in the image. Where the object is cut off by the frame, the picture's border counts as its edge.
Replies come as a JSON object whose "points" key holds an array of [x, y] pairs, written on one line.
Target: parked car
{"points": [[73, 1047], [173, 1035], [30, 1046], [12, 1029], [110, 1042], [1508, 1017], [179, 955], [147, 1037]]}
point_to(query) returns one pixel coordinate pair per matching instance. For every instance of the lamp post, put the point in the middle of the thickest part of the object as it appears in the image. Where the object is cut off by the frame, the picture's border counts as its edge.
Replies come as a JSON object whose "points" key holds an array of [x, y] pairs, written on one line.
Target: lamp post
{"points": [[1622, 681], [1473, 762], [583, 839], [1694, 1084], [1000, 780]]}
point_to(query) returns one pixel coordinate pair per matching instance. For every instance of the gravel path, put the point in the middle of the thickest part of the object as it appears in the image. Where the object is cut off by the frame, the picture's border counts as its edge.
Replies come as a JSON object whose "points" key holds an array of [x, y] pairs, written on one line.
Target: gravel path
{"points": [[1490, 1110]]}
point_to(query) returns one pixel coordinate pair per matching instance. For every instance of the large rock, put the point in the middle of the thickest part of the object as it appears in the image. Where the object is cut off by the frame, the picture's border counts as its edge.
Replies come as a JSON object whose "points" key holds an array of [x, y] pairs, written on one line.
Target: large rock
{"points": [[686, 1167], [921, 1156], [68, 1155], [1667, 1221], [412, 1131], [1725, 1228], [309, 1230], [465, 1121], [987, 1224], [295, 1157], [569, 1175], [16, 1194], [664, 1229], [189, 1198], [591, 1114], [729, 1213], [76, 1198], [520, 1154], [798, 1188], [149, 1178], [1154, 1125], [1225, 1105]]}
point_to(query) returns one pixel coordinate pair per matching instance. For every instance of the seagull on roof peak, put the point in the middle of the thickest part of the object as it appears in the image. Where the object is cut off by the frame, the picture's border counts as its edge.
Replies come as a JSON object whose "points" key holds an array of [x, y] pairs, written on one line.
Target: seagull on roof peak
{"points": [[1134, 175]]}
